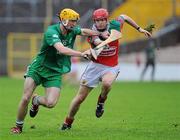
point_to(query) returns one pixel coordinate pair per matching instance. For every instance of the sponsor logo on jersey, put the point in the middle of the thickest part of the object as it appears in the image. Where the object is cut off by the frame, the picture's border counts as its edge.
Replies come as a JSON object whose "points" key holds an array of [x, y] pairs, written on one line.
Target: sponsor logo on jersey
{"points": [[55, 36], [64, 42], [108, 51]]}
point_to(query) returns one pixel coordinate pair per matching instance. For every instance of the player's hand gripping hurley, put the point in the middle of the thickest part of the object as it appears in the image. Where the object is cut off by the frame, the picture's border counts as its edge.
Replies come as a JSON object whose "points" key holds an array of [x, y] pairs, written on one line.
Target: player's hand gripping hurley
{"points": [[115, 35]]}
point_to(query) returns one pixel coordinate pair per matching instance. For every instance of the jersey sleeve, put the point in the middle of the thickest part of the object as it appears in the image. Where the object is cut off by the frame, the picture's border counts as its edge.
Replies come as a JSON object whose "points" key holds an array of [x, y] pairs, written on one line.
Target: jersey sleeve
{"points": [[120, 19], [77, 30], [51, 37], [117, 24]]}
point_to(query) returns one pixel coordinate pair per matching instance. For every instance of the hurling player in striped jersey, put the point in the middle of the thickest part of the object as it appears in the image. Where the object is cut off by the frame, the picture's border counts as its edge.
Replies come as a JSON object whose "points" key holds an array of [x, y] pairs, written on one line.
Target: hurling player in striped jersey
{"points": [[105, 68]]}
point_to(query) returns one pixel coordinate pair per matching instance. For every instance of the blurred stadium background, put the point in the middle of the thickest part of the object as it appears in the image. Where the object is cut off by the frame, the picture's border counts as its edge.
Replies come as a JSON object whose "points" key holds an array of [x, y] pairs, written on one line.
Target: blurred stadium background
{"points": [[22, 23]]}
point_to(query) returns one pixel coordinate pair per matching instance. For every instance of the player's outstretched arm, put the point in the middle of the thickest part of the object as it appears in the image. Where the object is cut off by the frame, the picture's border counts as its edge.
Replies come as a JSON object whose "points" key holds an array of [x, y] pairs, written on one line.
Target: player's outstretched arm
{"points": [[67, 51], [131, 22], [89, 32]]}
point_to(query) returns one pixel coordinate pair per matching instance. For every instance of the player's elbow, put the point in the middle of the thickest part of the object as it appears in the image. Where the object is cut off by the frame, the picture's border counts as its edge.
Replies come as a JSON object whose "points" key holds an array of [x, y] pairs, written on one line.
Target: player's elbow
{"points": [[124, 16]]}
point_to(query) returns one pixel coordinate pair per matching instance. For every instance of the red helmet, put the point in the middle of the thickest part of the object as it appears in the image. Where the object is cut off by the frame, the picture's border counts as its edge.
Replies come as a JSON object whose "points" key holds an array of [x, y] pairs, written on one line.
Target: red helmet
{"points": [[100, 14]]}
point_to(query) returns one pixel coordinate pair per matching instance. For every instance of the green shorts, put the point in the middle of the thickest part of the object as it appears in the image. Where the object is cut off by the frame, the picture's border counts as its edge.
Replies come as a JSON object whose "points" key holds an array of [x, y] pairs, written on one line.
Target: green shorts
{"points": [[44, 76]]}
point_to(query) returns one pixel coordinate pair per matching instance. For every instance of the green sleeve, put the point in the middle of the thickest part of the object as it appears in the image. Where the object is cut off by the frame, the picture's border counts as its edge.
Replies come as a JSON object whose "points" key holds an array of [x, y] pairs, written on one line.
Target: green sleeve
{"points": [[115, 25], [77, 30], [51, 37]]}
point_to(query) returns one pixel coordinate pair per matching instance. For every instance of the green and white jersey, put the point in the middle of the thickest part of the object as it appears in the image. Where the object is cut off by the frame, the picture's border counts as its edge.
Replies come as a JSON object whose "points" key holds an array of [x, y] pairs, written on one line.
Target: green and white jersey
{"points": [[51, 58]]}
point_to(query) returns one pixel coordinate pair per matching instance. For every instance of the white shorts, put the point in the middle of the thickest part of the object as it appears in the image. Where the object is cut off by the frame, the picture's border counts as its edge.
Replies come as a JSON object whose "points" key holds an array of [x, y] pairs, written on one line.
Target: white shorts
{"points": [[94, 73]]}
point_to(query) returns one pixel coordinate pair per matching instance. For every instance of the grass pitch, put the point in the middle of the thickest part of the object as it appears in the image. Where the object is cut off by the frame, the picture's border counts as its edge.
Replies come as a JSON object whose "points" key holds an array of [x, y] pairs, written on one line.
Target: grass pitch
{"points": [[133, 111]]}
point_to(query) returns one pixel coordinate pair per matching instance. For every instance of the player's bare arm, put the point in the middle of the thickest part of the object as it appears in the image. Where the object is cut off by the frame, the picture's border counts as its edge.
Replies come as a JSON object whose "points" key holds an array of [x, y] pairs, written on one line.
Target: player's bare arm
{"points": [[88, 32], [67, 51], [131, 22]]}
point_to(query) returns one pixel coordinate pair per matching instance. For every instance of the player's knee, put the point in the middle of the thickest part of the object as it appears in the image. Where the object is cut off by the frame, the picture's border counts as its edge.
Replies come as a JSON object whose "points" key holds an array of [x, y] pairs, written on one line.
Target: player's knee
{"points": [[26, 99], [107, 84]]}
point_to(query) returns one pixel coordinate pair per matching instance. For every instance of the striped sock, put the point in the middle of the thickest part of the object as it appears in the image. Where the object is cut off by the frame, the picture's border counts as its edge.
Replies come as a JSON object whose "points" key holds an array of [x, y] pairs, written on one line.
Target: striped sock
{"points": [[19, 124]]}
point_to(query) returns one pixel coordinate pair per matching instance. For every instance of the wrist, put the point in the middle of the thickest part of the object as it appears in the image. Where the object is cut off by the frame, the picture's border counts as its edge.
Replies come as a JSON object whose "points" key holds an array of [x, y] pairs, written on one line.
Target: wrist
{"points": [[80, 54], [138, 28]]}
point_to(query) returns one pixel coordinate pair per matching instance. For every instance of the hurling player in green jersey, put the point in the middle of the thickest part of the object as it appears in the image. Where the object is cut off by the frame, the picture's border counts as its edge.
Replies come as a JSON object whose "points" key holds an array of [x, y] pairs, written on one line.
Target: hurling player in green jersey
{"points": [[50, 64]]}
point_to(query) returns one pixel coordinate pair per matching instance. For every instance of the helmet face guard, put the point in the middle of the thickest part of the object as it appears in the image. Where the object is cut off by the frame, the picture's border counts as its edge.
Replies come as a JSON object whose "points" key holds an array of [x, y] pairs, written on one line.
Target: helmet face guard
{"points": [[64, 22], [100, 14], [68, 14]]}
